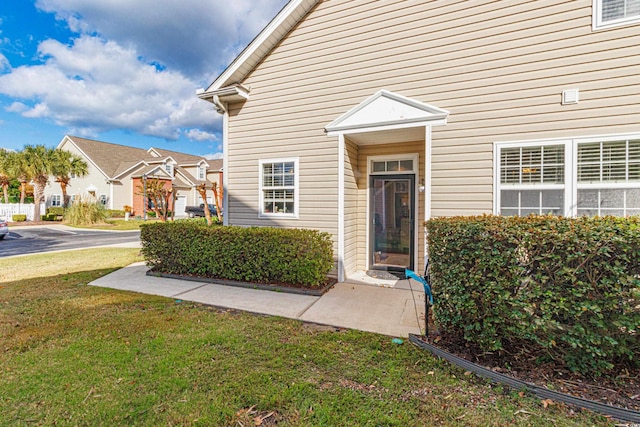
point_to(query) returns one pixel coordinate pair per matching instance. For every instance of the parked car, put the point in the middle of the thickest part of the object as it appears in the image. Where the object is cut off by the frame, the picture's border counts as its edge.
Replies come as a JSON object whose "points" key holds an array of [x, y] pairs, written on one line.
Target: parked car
{"points": [[4, 228], [198, 211]]}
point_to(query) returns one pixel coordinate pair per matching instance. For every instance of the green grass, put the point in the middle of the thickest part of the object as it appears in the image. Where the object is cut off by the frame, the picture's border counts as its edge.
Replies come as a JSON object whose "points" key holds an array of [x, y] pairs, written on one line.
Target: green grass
{"points": [[73, 354]]}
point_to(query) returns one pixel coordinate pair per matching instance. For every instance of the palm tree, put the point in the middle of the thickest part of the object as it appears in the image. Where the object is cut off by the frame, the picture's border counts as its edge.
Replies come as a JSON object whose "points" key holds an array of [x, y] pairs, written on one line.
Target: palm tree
{"points": [[65, 165], [5, 178], [16, 167], [39, 162]]}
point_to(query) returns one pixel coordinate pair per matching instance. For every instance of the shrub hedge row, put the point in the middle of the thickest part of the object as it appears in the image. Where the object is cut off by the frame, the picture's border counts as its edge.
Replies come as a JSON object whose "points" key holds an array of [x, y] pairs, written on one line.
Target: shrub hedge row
{"points": [[257, 254], [563, 290]]}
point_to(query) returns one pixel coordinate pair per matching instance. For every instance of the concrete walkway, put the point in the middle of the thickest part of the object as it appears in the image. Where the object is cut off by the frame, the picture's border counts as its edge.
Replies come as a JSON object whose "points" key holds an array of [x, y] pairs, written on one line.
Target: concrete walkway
{"points": [[392, 311]]}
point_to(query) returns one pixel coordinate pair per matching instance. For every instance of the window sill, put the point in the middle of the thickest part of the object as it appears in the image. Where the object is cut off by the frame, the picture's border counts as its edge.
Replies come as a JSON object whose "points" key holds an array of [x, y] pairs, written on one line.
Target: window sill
{"points": [[277, 215]]}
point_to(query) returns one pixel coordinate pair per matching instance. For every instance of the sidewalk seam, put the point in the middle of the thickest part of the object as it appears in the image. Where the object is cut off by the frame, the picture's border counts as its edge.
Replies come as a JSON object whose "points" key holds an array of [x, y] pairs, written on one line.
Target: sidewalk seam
{"points": [[299, 315]]}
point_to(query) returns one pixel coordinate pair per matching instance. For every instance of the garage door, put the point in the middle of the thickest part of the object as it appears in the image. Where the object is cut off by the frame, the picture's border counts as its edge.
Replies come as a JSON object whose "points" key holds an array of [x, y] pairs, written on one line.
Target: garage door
{"points": [[181, 204]]}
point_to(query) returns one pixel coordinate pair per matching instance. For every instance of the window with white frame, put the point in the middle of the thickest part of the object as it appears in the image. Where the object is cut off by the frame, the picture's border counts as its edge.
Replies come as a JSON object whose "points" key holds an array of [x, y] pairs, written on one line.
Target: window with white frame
{"points": [[532, 180], [56, 200], [103, 200], [201, 173], [608, 13], [169, 168], [608, 181], [279, 187], [584, 176]]}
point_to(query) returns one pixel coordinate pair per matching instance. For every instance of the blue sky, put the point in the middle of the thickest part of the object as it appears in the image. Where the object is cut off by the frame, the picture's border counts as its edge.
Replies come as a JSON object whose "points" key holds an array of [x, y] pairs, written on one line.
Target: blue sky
{"points": [[119, 71]]}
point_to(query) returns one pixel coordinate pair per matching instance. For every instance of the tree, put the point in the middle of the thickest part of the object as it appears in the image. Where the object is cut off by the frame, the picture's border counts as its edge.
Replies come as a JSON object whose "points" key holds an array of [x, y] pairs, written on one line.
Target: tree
{"points": [[161, 197], [17, 167], [202, 189], [217, 195], [65, 165], [5, 178], [38, 162]]}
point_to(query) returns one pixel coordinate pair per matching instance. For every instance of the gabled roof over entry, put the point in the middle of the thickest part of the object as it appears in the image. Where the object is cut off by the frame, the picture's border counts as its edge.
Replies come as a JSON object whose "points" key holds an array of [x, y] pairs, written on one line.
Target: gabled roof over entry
{"points": [[384, 111]]}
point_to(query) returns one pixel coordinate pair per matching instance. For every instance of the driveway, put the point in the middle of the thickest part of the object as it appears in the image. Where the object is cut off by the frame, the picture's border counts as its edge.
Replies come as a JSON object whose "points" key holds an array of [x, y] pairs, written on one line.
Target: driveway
{"points": [[35, 239]]}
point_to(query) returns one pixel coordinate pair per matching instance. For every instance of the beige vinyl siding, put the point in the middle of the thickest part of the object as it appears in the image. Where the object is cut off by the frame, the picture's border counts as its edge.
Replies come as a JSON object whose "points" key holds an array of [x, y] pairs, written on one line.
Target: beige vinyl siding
{"points": [[498, 67], [353, 226]]}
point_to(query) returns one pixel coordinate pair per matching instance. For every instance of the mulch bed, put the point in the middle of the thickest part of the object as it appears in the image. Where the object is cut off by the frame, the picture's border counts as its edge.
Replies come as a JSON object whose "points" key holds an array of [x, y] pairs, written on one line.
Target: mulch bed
{"points": [[278, 287], [621, 389]]}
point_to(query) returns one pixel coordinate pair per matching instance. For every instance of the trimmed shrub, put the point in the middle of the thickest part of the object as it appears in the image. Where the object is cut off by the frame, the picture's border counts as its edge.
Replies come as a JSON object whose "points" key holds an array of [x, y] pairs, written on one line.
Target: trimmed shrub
{"points": [[18, 217], [563, 290], [257, 254], [55, 210]]}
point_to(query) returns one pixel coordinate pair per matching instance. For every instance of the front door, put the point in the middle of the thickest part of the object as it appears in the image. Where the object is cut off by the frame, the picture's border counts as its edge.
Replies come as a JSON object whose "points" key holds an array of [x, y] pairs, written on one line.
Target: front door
{"points": [[392, 213]]}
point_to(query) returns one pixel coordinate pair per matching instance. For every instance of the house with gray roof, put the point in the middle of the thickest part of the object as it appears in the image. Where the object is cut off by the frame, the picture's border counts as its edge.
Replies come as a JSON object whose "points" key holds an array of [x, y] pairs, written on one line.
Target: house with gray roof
{"points": [[117, 172]]}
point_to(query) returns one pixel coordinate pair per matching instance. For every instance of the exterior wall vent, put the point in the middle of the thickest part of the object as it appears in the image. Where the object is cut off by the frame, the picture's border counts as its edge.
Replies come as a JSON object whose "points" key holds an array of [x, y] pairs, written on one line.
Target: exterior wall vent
{"points": [[570, 96]]}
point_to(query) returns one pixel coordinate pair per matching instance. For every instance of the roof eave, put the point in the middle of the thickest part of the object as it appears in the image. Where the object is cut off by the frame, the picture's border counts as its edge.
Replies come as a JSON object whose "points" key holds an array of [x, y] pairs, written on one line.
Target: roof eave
{"points": [[233, 93], [269, 37]]}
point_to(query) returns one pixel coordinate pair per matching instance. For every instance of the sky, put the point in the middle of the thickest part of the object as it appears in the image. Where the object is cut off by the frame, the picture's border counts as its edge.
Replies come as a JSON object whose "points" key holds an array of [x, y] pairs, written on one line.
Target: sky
{"points": [[120, 71]]}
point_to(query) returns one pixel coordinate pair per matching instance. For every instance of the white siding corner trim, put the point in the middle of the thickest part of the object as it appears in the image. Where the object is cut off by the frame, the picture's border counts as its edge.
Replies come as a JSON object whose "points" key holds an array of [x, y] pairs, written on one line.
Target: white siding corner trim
{"points": [[225, 167], [341, 243]]}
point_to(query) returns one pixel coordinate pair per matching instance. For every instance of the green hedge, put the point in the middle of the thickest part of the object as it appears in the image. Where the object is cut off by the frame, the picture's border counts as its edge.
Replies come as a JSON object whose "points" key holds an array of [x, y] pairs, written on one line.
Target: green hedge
{"points": [[257, 254], [50, 217], [566, 291], [55, 210], [18, 217]]}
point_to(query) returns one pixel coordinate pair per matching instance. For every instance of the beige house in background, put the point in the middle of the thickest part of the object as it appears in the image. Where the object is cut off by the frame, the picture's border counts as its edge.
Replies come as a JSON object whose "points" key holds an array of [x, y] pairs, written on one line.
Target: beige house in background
{"points": [[364, 118], [116, 172]]}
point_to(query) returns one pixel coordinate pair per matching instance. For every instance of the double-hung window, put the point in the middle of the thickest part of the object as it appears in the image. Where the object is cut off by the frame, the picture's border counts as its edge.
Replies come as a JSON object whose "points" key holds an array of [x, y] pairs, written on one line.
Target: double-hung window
{"points": [[532, 179], [608, 178], [610, 13], [582, 176], [56, 200], [201, 173], [279, 187]]}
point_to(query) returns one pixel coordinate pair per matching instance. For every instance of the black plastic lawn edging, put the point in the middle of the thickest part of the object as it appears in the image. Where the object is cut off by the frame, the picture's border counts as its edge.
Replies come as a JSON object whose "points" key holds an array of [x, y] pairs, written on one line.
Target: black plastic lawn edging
{"points": [[265, 287], [541, 392]]}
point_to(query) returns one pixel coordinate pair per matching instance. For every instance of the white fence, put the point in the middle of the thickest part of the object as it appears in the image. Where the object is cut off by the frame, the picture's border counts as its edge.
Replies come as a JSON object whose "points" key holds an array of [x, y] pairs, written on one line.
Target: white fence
{"points": [[7, 210]]}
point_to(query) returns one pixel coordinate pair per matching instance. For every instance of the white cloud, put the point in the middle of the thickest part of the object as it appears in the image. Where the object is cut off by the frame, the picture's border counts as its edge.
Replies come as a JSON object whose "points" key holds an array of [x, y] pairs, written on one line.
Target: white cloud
{"points": [[200, 135], [196, 37], [96, 85], [4, 63], [213, 156], [17, 107], [135, 65]]}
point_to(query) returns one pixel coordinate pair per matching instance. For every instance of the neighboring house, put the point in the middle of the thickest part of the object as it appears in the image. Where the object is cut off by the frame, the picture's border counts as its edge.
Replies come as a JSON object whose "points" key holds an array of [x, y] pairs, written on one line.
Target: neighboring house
{"points": [[363, 118], [117, 172]]}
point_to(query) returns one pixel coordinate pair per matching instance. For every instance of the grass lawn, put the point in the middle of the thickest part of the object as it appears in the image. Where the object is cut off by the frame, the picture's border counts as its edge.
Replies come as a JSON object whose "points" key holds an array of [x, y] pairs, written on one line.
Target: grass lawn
{"points": [[78, 355]]}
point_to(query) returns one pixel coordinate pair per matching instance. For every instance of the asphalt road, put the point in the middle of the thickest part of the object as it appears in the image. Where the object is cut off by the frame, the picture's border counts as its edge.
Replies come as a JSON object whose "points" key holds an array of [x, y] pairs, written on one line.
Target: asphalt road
{"points": [[35, 239]]}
